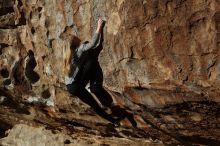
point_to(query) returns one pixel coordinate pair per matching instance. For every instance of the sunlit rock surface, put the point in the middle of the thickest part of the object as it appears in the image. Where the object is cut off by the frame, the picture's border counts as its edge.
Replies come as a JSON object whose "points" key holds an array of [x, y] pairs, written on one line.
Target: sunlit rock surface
{"points": [[160, 61], [41, 136]]}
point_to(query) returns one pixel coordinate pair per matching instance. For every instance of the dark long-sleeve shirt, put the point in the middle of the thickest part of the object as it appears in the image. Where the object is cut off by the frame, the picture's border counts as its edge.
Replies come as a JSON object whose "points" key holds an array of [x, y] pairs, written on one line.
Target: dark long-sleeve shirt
{"points": [[92, 44]]}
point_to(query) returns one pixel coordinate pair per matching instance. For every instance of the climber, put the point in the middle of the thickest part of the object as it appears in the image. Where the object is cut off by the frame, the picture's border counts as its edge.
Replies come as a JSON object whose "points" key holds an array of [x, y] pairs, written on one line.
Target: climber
{"points": [[84, 68]]}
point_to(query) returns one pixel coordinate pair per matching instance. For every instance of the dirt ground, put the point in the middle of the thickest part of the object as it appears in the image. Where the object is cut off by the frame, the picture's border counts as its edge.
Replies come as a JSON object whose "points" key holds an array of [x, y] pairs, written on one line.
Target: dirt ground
{"points": [[188, 123]]}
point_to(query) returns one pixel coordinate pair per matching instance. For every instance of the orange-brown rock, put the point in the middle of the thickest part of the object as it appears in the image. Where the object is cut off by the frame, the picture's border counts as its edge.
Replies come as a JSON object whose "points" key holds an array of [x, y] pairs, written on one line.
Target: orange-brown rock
{"points": [[160, 61]]}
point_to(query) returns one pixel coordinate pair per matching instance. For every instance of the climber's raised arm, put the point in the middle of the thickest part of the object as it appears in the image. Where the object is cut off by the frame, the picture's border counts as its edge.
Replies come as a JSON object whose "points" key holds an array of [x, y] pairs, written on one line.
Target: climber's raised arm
{"points": [[95, 40]]}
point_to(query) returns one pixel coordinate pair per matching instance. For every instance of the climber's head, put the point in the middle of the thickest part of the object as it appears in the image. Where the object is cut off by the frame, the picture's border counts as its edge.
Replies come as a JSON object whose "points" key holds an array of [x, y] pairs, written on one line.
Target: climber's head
{"points": [[86, 42], [30, 53], [75, 42]]}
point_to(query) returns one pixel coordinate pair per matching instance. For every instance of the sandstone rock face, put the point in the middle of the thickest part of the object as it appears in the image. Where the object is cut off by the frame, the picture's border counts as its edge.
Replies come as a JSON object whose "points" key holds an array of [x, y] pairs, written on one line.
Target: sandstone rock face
{"points": [[41, 136], [148, 44], [155, 53]]}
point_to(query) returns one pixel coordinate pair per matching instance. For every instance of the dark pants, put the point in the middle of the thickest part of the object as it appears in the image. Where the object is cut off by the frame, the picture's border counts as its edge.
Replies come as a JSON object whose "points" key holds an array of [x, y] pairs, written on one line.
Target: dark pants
{"points": [[92, 72]]}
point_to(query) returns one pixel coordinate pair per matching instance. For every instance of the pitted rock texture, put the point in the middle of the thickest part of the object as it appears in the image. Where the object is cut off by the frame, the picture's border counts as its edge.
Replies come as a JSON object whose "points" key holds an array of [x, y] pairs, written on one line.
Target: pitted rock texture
{"points": [[147, 44], [41, 136], [156, 54]]}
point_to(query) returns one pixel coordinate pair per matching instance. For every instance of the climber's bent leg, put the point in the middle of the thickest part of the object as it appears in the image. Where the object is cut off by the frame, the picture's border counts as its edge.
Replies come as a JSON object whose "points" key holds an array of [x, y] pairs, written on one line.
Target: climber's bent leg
{"points": [[87, 98]]}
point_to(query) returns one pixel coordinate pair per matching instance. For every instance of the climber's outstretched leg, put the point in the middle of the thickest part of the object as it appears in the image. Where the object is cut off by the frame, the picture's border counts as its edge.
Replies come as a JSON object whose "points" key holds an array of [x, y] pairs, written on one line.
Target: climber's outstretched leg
{"points": [[105, 98], [86, 97]]}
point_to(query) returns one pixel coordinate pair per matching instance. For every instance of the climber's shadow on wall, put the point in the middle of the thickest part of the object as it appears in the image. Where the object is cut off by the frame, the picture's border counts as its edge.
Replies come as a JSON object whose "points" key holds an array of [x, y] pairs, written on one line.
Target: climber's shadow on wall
{"points": [[23, 74], [31, 63]]}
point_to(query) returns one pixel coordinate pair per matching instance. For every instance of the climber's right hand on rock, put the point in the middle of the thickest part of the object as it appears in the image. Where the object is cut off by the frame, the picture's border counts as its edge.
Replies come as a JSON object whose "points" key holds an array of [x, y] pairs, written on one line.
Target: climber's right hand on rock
{"points": [[100, 22], [100, 25]]}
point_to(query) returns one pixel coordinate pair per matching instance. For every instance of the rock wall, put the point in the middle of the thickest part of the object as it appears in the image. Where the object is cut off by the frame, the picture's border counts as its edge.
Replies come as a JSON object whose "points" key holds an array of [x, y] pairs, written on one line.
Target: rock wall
{"points": [[162, 43], [156, 53]]}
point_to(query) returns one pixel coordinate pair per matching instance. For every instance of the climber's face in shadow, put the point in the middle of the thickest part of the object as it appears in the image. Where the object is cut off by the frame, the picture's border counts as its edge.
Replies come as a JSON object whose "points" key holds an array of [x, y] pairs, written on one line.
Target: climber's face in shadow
{"points": [[75, 42], [86, 42]]}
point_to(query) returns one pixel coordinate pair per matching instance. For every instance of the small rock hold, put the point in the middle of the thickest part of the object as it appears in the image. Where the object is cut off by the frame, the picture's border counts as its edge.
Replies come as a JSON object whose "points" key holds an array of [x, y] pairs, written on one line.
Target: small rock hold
{"points": [[2, 98], [4, 73], [196, 117], [7, 82], [67, 141], [104, 145]]}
